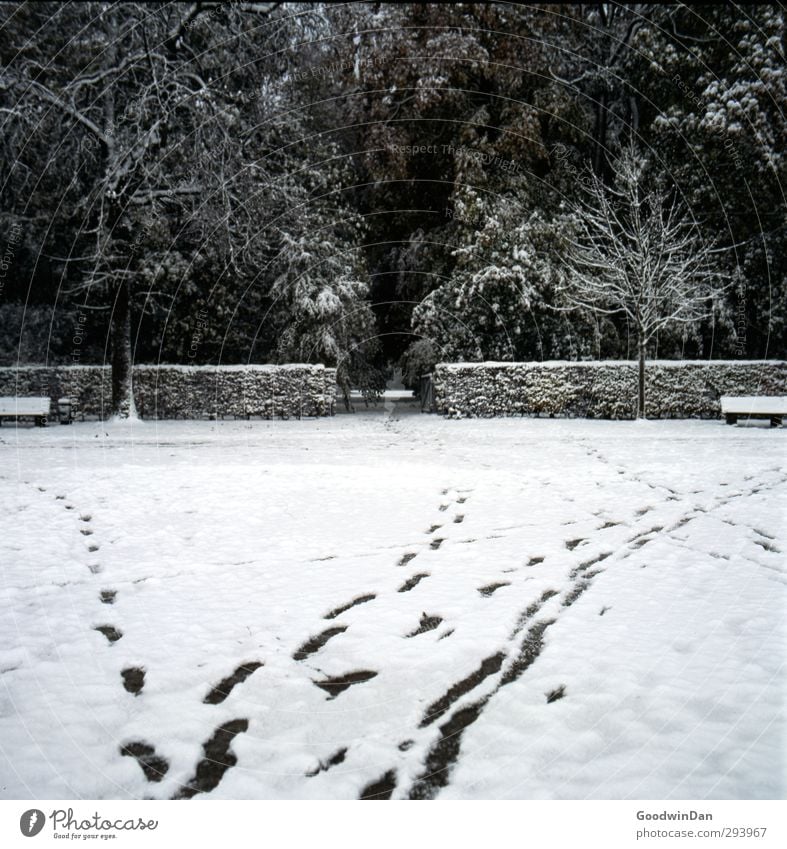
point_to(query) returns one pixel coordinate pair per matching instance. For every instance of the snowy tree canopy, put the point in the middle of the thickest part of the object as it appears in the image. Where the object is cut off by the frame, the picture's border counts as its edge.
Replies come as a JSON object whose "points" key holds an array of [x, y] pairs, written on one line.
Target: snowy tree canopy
{"points": [[367, 184]]}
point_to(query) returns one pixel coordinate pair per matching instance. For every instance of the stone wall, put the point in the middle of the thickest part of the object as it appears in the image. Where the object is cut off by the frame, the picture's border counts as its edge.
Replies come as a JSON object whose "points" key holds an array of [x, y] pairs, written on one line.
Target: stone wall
{"points": [[188, 392], [602, 389]]}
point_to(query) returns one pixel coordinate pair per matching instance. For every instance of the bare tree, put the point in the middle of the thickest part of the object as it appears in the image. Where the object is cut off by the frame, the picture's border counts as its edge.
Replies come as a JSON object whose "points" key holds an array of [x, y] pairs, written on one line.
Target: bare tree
{"points": [[634, 251]]}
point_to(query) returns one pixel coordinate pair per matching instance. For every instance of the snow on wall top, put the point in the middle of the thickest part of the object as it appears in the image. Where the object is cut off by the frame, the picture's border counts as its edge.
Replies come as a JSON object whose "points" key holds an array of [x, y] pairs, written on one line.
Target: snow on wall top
{"points": [[177, 367], [601, 363]]}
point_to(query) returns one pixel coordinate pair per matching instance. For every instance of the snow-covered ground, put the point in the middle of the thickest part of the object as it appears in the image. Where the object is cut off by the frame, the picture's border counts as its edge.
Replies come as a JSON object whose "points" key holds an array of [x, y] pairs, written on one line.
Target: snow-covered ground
{"points": [[511, 608]]}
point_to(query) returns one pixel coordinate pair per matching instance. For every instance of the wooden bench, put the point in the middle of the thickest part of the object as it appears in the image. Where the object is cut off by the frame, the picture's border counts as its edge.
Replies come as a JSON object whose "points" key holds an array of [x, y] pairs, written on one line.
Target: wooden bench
{"points": [[736, 407], [16, 407]]}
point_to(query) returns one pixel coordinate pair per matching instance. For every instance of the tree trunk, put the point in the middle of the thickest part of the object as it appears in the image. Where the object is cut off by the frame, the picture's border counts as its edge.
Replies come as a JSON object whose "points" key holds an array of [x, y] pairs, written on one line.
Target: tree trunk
{"points": [[122, 397], [641, 382]]}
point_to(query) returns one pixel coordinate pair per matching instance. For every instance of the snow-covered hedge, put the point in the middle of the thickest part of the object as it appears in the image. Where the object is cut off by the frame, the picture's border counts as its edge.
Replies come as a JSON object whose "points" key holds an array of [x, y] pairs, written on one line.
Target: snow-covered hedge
{"points": [[605, 389], [174, 392]]}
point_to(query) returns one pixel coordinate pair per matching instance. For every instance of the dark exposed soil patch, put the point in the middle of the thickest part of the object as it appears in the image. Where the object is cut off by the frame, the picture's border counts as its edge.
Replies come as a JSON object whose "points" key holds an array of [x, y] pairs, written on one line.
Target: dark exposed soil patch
{"points": [[95, 568], [436, 543], [557, 693], [412, 582], [458, 520], [428, 623], [315, 643], [218, 759], [220, 692], [573, 543], [108, 596], [335, 686], [433, 528], [609, 525], [489, 666], [382, 788], [361, 599], [767, 546], [491, 588], [324, 766], [133, 679], [154, 766], [93, 548], [405, 745], [406, 558], [86, 532], [110, 632], [534, 561]]}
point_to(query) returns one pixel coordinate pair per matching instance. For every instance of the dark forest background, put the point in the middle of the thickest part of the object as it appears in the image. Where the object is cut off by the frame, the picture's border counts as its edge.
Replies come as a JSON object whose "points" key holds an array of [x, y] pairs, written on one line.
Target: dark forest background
{"points": [[370, 184]]}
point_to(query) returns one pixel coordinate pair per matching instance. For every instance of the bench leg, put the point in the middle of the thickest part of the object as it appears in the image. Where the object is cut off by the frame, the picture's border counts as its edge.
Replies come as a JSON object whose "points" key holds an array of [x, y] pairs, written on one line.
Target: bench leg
{"points": [[731, 418]]}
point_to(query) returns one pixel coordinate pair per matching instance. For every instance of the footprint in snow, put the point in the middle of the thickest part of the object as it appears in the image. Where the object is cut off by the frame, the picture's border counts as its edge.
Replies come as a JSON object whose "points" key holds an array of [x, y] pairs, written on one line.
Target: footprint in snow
{"points": [[220, 692], [491, 588], [218, 759], [339, 683], [323, 766], [412, 582], [314, 644], [110, 632], [133, 679], [361, 599], [382, 788], [427, 623], [153, 766], [556, 694]]}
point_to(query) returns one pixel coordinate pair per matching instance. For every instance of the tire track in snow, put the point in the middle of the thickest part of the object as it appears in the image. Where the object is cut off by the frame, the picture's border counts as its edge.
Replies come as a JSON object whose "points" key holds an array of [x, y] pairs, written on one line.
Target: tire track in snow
{"points": [[335, 685], [444, 752]]}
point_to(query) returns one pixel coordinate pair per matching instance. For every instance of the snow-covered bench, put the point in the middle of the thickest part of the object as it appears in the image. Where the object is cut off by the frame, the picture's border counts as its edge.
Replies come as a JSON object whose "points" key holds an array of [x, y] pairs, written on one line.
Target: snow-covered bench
{"points": [[736, 407], [16, 407]]}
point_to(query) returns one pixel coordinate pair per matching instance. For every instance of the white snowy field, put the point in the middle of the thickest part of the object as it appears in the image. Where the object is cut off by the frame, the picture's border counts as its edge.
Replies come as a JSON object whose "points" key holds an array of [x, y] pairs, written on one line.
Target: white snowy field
{"points": [[520, 608]]}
